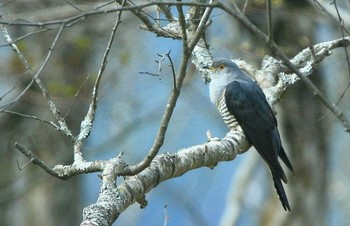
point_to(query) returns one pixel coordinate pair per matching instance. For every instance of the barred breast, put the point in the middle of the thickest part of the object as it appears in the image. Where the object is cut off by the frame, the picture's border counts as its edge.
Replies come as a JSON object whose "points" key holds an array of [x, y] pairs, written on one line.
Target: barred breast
{"points": [[229, 119]]}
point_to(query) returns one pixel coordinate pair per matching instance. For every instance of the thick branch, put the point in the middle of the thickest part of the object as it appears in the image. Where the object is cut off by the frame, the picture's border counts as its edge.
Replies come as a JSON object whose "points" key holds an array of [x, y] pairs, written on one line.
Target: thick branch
{"points": [[162, 168]]}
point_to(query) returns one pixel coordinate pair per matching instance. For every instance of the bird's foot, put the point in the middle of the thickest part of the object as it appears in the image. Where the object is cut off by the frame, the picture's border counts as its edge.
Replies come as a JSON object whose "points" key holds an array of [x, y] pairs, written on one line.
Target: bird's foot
{"points": [[211, 138]]}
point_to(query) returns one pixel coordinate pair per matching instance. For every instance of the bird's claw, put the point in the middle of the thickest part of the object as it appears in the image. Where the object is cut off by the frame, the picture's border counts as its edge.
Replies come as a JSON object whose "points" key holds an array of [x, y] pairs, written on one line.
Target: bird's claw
{"points": [[211, 138]]}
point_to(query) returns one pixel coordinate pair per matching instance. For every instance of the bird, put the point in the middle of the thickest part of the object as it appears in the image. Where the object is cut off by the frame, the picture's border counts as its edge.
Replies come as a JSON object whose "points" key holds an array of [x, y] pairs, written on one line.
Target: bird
{"points": [[241, 101]]}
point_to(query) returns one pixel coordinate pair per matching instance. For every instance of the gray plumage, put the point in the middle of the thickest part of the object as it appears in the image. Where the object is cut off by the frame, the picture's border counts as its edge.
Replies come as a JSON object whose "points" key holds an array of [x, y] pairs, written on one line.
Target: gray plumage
{"points": [[241, 101]]}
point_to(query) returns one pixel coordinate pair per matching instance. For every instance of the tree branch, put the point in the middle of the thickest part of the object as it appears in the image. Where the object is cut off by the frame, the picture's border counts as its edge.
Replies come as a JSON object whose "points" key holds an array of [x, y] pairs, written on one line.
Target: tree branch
{"points": [[86, 124], [165, 119], [62, 126], [163, 167], [60, 171]]}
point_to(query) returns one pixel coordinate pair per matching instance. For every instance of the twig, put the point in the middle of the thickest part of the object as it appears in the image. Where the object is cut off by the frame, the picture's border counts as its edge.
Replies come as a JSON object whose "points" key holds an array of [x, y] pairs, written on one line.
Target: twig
{"points": [[322, 8], [342, 29], [105, 4], [86, 124], [155, 27], [73, 6], [127, 7], [182, 23], [269, 20], [59, 171], [315, 91], [160, 63], [187, 51], [201, 26], [23, 60], [12, 88], [172, 68], [34, 159], [75, 96], [245, 6], [25, 165], [62, 124], [186, 54], [25, 36], [198, 46], [166, 11], [150, 73], [56, 127]]}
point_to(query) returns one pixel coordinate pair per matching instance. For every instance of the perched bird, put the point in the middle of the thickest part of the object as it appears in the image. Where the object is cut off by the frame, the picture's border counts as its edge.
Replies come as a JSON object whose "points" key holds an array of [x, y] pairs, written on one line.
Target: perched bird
{"points": [[240, 100]]}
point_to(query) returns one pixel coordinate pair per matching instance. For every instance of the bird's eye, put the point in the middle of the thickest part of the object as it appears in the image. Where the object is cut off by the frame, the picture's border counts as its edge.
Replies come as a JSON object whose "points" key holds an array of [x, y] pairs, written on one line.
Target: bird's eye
{"points": [[221, 66]]}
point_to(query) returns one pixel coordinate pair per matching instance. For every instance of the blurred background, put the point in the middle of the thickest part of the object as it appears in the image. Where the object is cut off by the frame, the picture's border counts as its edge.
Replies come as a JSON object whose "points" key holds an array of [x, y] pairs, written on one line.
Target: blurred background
{"points": [[131, 105]]}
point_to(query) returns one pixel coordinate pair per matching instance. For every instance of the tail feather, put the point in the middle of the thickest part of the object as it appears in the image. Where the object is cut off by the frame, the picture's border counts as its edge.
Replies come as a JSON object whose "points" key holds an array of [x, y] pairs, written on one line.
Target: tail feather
{"points": [[280, 191], [282, 154]]}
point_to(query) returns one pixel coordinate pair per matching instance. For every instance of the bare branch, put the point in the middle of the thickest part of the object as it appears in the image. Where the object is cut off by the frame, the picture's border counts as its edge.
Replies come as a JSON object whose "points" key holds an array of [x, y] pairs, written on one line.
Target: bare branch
{"points": [[315, 91], [160, 67], [12, 88], [327, 11], [343, 29], [172, 101], [75, 96], [198, 46], [136, 9], [86, 124], [186, 54], [62, 124], [166, 11], [79, 166], [60, 171], [74, 6], [182, 23], [200, 29], [163, 167], [25, 36], [34, 159], [33, 117], [269, 20], [25, 165], [172, 68]]}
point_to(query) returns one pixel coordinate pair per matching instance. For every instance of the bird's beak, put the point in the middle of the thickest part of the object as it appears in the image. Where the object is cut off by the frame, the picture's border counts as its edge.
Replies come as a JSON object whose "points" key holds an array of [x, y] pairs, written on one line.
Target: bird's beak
{"points": [[208, 67]]}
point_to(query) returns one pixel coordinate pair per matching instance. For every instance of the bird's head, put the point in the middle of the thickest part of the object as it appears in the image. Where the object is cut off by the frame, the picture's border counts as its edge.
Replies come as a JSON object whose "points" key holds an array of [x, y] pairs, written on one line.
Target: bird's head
{"points": [[222, 69]]}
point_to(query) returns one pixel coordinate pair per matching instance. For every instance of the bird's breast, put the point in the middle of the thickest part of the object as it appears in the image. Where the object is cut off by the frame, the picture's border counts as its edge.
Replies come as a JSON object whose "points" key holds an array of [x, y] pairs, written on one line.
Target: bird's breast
{"points": [[228, 118]]}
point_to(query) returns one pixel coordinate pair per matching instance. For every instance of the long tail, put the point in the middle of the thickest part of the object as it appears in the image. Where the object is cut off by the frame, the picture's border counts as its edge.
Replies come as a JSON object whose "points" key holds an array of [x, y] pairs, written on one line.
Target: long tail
{"points": [[282, 154], [280, 191]]}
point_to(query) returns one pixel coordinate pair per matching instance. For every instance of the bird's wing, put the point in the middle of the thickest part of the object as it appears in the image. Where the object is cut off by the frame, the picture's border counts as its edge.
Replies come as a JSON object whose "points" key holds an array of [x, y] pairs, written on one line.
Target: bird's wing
{"points": [[246, 101]]}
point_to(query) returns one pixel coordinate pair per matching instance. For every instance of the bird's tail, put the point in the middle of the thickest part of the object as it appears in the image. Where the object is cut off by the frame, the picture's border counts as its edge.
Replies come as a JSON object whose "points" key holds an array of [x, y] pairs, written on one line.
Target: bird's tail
{"points": [[282, 154], [280, 191]]}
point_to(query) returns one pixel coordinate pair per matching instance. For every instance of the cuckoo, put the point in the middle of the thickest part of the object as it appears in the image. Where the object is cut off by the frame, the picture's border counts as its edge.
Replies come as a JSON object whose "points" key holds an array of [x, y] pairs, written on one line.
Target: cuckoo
{"points": [[241, 101]]}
